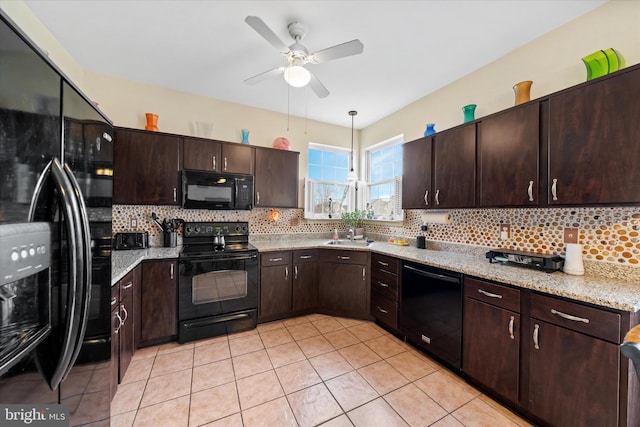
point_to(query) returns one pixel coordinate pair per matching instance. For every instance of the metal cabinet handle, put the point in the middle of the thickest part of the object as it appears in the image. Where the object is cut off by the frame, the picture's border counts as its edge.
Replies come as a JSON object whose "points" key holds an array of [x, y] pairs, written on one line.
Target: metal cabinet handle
{"points": [[489, 294], [384, 264], [213, 162], [175, 194], [126, 314], [511, 322], [225, 163], [295, 271], [120, 323], [257, 197], [286, 273], [536, 331], [275, 259], [364, 273], [127, 286], [426, 197], [554, 189], [384, 285], [113, 301], [530, 191], [171, 271], [305, 257], [569, 317], [344, 257], [381, 310], [437, 197]]}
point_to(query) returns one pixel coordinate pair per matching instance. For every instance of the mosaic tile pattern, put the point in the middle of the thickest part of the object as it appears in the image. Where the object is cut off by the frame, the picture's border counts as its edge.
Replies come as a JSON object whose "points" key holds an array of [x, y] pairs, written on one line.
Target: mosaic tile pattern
{"points": [[610, 235]]}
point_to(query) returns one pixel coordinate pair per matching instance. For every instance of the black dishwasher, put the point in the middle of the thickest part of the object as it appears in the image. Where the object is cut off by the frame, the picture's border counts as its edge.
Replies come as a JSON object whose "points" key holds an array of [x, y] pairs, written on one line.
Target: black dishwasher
{"points": [[431, 311]]}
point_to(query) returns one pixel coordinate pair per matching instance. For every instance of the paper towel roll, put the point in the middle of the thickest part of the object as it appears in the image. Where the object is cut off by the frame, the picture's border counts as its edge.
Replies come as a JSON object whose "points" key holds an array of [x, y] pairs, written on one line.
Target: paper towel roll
{"points": [[573, 262], [436, 218]]}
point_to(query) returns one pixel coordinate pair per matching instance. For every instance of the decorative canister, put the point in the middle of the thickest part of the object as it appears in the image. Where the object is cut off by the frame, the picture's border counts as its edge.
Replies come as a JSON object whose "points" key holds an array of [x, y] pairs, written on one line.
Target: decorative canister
{"points": [[523, 91], [245, 136]]}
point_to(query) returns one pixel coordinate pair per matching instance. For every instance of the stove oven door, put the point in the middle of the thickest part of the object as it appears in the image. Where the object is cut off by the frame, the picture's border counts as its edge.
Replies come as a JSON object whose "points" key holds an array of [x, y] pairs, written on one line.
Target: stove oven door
{"points": [[217, 295]]}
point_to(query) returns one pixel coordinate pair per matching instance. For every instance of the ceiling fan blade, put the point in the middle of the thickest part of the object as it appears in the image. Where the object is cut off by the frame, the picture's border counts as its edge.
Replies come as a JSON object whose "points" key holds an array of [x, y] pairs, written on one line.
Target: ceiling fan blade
{"points": [[317, 86], [263, 76], [262, 29], [354, 47]]}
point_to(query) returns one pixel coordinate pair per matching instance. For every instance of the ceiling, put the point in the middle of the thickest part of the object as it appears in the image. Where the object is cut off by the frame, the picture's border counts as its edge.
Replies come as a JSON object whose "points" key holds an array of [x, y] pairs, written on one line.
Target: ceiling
{"points": [[411, 48]]}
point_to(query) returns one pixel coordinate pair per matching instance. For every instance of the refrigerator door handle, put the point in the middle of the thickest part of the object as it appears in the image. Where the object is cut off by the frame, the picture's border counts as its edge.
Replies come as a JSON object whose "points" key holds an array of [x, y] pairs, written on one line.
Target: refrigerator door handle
{"points": [[55, 374], [84, 269]]}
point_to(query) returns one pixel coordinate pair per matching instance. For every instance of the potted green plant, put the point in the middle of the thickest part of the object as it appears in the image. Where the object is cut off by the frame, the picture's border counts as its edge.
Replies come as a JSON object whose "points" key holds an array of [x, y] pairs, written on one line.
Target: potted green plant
{"points": [[354, 220]]}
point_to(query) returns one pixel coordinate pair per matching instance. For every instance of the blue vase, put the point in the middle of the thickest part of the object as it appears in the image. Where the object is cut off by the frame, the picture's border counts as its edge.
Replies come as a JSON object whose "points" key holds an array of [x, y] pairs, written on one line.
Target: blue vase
{"points": [[245, 136], [430, 130]]}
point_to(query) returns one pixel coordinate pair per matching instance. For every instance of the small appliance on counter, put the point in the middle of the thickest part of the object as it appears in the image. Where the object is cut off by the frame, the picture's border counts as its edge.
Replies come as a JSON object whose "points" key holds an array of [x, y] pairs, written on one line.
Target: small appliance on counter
{"points": [[536, 261], [131, 240]]}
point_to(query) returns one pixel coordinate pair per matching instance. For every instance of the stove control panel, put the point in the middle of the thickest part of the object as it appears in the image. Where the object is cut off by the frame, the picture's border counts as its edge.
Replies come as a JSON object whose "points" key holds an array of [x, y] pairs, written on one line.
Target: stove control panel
{"points": [[211, 229]]}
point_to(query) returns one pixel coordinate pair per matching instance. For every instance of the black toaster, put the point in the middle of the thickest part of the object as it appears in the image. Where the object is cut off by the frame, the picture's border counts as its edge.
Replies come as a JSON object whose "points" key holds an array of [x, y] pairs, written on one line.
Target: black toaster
{"points": [[131, 240]]}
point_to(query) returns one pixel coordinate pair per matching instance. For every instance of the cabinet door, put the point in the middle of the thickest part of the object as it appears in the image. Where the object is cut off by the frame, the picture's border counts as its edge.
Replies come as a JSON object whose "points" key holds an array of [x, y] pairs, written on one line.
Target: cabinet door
{"points": [[416, 174], [237, 158], [487, 328], [508, 151], [344, 289], [145, 168], [158, 308], [126, 336], [115, 341], [593, 142], [276, 179], [305, 286], [201, 154], [275, 292], [573, 378], [454, 177]]}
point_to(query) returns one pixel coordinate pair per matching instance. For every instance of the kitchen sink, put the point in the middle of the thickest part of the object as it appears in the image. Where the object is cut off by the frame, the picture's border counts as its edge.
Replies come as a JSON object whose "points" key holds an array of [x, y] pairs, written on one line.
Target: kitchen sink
{"points": [[352, 243]]}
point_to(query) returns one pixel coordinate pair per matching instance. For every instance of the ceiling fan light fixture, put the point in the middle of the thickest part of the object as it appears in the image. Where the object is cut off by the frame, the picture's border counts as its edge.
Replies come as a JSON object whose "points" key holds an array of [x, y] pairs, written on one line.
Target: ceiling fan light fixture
{"points": [[297, 76]]}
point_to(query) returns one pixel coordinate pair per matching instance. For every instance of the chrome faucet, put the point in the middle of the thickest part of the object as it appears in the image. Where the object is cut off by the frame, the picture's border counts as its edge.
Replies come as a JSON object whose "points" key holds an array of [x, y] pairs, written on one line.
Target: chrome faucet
{"points": [[351, 232]]}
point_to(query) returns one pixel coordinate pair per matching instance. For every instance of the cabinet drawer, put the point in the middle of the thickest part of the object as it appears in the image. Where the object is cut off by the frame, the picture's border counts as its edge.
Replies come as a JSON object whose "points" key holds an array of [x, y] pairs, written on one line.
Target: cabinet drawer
{"points": [[491, 293], [575, 316], [275, 258], [346, 257], [385, 310], [385, 283], [392, 265], [305, 256]]}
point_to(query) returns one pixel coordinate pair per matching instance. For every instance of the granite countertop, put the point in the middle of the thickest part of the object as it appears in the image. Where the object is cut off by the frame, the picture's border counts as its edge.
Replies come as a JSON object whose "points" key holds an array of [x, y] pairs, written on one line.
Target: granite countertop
{"points": [[605, 292]]}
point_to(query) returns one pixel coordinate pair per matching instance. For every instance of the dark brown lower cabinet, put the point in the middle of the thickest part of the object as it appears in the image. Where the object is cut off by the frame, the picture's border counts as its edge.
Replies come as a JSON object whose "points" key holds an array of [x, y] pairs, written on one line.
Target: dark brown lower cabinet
{"points": [[275, 286], [115, 339], [159, 304], [305, 280], [491, 352], [344, 288]]}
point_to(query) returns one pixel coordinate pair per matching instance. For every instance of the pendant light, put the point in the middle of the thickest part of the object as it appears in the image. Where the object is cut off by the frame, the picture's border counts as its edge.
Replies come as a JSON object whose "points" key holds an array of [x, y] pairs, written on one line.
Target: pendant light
{"points": [[351, 176]]}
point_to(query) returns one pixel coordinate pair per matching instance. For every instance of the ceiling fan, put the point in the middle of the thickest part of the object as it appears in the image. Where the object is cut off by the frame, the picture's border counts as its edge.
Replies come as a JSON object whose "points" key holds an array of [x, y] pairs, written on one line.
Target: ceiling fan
{"points": [[295, 74]]}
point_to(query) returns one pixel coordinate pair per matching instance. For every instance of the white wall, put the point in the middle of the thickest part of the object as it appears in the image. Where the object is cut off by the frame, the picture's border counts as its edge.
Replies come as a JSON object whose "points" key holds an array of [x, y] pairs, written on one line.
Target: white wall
{"points": [[552, 62]]}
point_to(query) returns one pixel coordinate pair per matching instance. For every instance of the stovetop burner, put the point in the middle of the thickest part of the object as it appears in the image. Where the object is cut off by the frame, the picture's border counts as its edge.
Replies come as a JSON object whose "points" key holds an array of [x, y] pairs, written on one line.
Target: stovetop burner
{"points": [[199, 239]]}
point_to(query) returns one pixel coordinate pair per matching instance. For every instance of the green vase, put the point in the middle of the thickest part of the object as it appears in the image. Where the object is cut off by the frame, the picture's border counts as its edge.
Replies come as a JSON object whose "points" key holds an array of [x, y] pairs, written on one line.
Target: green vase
{"points": [[469, 112]]}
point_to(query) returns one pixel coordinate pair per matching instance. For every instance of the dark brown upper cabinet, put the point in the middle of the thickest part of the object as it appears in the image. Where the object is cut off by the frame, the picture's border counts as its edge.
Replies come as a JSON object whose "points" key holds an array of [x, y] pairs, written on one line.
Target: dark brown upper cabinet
{"points": [[508, 157], [454, 174], [416, 174], [201, 154], [276, 178], [594, 142]]}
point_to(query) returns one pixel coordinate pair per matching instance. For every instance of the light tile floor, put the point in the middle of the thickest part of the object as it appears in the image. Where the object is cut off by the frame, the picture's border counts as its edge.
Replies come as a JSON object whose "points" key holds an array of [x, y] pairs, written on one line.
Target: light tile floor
{"points": [[305, 371]]}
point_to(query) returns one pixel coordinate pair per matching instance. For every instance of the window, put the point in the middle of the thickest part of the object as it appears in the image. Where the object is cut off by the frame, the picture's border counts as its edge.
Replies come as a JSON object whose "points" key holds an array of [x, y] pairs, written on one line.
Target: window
{"points": [[327, 192], [383, 193]]}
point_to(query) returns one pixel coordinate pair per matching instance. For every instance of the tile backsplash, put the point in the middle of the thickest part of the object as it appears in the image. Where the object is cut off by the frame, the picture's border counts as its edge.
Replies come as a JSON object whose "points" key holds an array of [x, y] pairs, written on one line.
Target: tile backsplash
{"points": [[609, 235]]}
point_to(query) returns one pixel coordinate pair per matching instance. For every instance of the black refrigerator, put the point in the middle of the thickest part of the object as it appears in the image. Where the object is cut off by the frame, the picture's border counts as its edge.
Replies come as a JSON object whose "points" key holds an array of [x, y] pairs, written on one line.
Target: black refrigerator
{"points": [[56, 165]]}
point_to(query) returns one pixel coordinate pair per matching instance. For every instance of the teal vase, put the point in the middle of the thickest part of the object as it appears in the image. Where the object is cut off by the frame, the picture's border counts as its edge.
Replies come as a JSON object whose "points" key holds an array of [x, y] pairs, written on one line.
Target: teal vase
{"points": [[430, 130], [245, 136], [469, 112]]}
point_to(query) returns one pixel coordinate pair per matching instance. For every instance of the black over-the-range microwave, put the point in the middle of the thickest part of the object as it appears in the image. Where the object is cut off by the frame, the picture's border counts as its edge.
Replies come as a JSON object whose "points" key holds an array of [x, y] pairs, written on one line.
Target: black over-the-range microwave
{"points": [[211, 190]]}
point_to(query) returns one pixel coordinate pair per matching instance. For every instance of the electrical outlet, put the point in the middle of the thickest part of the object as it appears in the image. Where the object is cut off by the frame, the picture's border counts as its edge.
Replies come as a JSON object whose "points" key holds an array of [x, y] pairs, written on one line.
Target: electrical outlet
{"points": [[571, 235], [505, 231], [133, 223]]}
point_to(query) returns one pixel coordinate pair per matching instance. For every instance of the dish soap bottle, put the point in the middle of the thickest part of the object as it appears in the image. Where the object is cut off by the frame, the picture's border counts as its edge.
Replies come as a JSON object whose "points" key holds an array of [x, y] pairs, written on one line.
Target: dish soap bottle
{"points": [[336, 237]]}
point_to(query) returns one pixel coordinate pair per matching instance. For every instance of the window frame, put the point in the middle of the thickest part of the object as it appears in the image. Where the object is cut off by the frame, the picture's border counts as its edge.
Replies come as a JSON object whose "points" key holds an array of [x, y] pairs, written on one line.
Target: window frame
{"points": [[398, 213]]}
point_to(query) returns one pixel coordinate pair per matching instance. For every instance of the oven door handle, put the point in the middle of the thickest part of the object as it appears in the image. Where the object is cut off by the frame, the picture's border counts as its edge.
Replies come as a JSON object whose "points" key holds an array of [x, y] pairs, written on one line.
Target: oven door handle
{"points": [[213, 259], [433, 275]]}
